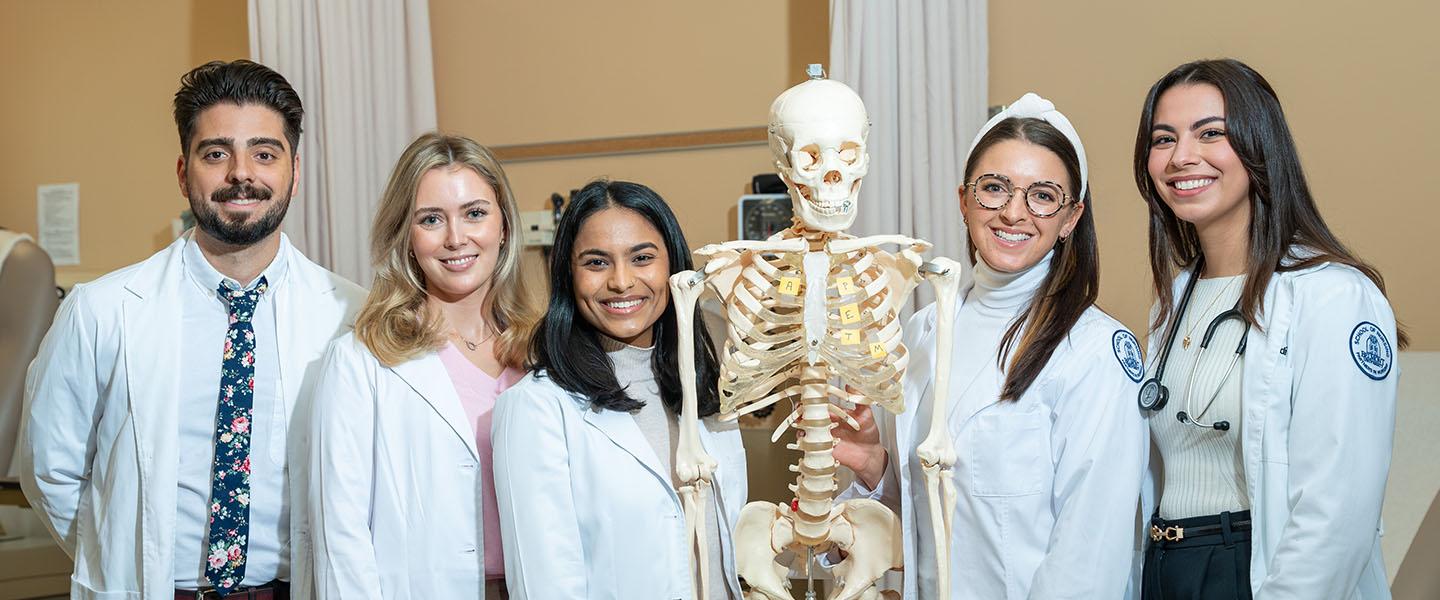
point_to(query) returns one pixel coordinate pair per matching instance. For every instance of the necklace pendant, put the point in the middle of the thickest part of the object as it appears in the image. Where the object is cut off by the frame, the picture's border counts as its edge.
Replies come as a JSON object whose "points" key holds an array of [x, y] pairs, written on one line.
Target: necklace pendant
{"points": [[1184, 344], [473, 346]]}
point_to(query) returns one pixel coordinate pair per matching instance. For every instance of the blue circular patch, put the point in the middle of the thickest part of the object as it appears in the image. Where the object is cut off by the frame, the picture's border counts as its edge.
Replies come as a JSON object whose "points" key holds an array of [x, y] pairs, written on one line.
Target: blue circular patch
{"points": [[1127, 351], [1371, 350]]}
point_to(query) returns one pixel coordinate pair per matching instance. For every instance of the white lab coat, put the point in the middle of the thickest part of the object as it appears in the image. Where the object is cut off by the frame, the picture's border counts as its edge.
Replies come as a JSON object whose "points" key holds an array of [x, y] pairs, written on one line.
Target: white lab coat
{"points": [[395, 495], [100, 453], [1045, 484], [1315, 437], [586, 511]]}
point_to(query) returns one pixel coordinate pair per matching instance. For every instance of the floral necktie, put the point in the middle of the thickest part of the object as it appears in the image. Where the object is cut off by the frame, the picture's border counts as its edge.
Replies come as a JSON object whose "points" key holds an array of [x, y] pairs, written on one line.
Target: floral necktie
{"points": [[230, 478]]}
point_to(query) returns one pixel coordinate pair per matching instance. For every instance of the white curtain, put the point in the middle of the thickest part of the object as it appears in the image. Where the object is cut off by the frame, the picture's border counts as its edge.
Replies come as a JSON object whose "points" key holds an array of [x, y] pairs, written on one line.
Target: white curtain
{"points": [[364, 74], [920, 66]]}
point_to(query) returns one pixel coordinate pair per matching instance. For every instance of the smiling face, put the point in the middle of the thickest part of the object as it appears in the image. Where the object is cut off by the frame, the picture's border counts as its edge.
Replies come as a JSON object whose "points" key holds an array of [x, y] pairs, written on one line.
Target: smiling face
{"points": [[1193, 168], [622, 275], [455, 233], [239, 173], [1011, 239]]}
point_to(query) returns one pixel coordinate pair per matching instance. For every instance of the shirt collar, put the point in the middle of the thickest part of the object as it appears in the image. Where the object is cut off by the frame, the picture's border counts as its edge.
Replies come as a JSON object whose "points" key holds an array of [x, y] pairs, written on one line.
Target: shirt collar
{"points": [[208, 279]]}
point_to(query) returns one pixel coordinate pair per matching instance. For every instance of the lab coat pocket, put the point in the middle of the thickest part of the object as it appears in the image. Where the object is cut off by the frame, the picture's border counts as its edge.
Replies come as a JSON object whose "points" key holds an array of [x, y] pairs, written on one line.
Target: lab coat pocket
{"points": [[1007, 454]]}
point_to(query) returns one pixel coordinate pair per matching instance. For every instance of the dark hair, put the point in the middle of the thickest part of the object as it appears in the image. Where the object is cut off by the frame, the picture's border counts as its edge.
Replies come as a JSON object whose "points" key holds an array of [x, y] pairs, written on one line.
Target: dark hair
{"points": [[1074, 279], [1286, 230], [567, 347], [240, 82]]}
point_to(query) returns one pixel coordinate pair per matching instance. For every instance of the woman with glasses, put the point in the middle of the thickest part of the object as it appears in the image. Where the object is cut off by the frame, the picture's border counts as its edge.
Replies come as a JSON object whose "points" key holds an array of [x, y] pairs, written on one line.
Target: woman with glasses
{"points": [[1271, 391], [1040, 401]]}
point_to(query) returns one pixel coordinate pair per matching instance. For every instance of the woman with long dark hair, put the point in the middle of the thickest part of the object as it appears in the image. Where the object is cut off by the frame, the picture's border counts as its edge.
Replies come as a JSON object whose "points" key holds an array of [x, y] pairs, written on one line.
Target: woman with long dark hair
{"points": [[1270, 394], [584, 444], [1052, 450]]}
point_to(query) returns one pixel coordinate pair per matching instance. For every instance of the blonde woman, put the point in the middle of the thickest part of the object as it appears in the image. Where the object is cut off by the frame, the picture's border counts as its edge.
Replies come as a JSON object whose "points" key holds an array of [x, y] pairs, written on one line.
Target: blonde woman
{"points": [[402, 501]]}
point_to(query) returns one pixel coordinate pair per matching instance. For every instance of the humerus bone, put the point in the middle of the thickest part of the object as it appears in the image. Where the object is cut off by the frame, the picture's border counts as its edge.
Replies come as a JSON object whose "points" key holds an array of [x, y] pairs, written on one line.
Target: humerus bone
{"points": [[937, 450], [693, 466]]}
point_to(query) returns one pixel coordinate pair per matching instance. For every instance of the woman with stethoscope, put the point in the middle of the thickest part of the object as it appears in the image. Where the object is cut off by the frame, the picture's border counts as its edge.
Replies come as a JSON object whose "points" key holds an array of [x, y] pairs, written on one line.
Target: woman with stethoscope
{"points": [[1271, 391], [1052, 450]]}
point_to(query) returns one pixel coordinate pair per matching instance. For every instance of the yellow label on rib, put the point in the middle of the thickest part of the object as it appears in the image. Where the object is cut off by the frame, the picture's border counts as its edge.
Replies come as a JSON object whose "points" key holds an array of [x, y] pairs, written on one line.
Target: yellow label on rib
{"points": [[850, 313], [850, 337], [877, 349], [790, 285], [845, 285]]}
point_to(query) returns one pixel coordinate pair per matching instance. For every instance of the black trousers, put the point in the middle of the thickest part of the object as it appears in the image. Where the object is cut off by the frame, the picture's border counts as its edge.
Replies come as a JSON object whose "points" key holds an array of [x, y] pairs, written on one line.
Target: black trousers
{"points": [[1205, 567]]}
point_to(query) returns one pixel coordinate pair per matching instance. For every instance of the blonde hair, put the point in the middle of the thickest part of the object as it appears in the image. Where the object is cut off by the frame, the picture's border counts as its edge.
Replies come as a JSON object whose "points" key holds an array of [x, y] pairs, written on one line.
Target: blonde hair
{"points": [[395, 323]]}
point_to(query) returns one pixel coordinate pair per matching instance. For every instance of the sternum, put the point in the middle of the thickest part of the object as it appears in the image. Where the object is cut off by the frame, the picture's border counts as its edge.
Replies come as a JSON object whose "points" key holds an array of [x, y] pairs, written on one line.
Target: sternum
{"points": [[817, 270]]}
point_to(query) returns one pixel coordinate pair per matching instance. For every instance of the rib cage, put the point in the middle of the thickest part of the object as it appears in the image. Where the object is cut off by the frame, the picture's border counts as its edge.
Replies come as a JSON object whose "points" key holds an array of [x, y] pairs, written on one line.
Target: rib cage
{"points": [[766, 344]]}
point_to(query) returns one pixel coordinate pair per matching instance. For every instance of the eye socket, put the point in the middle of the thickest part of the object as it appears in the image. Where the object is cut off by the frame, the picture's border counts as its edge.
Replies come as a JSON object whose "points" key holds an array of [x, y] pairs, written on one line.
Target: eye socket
{"points": [[1161, 140], [1210, 134], [807, 158], [265, 156], [849, 152], [429, 220], [215, 155], [643, 258], [476, 213]]}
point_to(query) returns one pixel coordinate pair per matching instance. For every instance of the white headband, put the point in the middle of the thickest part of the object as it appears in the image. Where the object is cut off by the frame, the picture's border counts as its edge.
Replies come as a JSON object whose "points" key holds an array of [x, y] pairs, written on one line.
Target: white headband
{"points": [[1035, 107]]}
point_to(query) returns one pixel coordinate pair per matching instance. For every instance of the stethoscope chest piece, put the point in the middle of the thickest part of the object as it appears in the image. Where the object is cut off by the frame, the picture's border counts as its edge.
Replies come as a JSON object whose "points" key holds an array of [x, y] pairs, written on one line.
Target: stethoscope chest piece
{"points": [[1153, 395]]}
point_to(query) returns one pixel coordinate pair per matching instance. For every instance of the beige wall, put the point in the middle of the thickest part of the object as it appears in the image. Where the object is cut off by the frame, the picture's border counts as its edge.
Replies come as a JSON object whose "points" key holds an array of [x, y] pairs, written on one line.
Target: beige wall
{"points": [[88, 86], [1357, 82], [517, 73]]}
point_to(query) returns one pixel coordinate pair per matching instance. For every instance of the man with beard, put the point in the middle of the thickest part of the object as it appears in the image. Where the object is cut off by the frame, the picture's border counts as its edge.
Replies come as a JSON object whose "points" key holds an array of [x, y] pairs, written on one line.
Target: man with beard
{"points": [[158, 408]]}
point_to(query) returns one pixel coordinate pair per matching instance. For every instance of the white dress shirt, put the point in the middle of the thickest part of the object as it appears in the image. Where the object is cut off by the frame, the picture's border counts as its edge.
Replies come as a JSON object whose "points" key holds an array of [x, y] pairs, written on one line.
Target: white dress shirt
{"points": [[204, 324]]}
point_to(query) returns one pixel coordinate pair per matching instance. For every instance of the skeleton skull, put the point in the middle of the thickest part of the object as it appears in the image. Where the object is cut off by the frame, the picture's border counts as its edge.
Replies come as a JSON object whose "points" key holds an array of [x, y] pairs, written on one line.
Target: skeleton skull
{"points": [[817, 136]]}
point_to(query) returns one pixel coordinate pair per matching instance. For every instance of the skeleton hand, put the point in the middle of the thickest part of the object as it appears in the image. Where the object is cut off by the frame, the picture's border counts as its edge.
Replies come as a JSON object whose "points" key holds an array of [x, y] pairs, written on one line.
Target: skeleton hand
{"points": [[719, 256]]}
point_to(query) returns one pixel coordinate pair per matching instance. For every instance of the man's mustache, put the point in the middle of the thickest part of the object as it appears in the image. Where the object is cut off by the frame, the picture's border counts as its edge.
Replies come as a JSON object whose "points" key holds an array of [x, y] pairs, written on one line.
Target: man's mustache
{"points": [[236, 191]]}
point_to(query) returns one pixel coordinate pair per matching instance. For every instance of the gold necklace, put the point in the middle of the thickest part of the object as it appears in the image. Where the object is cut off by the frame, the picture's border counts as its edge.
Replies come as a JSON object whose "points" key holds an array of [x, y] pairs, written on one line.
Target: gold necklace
{"points": [[473, 345], [1189, 329]]}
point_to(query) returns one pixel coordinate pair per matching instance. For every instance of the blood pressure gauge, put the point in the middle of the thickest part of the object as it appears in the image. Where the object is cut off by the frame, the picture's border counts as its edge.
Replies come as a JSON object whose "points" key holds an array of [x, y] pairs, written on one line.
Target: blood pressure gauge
{"points": [[762, 215]]}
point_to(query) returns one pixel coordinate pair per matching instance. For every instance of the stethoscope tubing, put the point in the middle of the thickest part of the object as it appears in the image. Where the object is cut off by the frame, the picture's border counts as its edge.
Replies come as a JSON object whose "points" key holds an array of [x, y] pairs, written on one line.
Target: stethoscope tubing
{"points": [[1193, 418], [1157, 392], [1161, 394]]}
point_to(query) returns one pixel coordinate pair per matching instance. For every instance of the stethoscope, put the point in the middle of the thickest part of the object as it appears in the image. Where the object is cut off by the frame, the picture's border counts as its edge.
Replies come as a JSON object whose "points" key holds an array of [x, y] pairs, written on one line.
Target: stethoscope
{"points": [[1154, 395]]}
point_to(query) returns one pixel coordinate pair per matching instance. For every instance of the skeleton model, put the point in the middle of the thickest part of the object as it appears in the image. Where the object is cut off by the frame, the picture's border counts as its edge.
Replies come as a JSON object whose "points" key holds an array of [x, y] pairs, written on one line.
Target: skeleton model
{"points": [[807, 308]]}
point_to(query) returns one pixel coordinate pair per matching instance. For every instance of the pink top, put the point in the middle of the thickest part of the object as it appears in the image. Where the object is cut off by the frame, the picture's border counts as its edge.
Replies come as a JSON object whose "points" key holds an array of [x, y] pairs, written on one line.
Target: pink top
{"points": [[477, 392]]}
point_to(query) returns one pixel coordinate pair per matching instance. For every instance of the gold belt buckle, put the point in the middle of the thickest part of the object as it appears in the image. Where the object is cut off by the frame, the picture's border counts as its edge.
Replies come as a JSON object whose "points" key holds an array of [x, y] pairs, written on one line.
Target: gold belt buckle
{"points": [[1169, 534]]}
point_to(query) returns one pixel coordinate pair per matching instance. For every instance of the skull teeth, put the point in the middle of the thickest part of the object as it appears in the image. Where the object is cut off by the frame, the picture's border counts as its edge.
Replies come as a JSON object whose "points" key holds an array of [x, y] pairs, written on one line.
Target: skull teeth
{"points": [[830, 209]]}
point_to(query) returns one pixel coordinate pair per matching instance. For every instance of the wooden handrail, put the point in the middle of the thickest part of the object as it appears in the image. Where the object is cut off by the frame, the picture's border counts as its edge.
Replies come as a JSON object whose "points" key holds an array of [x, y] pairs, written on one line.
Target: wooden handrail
{"points": [[715, 138]]}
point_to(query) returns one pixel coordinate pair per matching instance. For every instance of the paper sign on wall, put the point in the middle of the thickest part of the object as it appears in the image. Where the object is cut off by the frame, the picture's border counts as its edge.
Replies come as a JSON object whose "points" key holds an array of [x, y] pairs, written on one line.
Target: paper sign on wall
{"points": [[58, 217]]}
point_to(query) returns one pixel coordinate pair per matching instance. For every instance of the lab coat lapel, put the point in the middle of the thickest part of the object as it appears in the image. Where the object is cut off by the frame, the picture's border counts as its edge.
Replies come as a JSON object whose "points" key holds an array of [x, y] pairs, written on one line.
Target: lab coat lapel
{"points": [[427, 376], [620, 427], [151, 333], [302, 337]]}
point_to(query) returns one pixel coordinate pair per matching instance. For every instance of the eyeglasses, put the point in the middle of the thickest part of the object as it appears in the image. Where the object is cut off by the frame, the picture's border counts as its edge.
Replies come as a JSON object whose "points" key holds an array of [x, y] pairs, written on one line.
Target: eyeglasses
{"points": [[1043, 198]]}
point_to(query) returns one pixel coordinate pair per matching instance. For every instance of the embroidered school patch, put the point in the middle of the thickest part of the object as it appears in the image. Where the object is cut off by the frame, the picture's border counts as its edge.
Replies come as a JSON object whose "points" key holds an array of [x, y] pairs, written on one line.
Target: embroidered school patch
{"points": [[1371, 350], [1127, 351]]}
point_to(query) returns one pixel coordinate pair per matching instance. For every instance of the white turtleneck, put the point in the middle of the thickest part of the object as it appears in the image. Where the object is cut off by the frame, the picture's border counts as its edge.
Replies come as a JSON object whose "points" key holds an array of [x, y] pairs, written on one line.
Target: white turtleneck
{"points": [[990, 308]]}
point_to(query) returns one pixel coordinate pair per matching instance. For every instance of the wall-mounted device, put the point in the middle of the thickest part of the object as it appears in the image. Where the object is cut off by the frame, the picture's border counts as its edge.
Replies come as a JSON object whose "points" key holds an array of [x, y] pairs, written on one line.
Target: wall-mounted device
{"points": [[537, 227], [762, 215]]}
